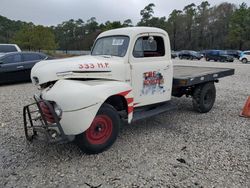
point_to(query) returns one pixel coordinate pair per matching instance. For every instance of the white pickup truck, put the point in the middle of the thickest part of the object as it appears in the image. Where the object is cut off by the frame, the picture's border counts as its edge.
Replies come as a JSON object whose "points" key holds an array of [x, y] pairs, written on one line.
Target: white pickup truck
{"points": [[128, 76]]}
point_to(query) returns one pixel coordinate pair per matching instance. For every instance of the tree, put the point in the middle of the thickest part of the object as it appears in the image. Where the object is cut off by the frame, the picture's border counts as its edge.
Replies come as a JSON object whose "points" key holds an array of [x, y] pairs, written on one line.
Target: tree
{"points": [[194, 27], [23, 37], [127, 23], [67, 33], [147, 14], [42, 38], [202, 22], [35, 38], [219, 25], [189, 15], [8, 28], [173, 26], [91, 25], [239, 27]]}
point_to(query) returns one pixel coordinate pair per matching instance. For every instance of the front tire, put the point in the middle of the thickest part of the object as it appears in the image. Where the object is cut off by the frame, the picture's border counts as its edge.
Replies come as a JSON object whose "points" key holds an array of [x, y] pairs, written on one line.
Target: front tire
{"points": [[204, 97], [102, 133], [244, 60]]}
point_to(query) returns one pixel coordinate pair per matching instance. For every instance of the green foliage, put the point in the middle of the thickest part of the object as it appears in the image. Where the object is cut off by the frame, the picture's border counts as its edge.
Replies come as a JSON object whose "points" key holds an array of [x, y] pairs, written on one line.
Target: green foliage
{"points": [[147, 14], [239, 28], [203, 27], [42, 38], [23, 37], [174, 28], [127, 23], [148, 19], [76, 35], [35, 38], [8, 28], [195, 27]]}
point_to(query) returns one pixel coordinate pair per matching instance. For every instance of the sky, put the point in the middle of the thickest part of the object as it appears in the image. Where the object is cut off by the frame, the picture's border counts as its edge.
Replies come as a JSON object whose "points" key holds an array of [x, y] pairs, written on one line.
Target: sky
{"points": [[53, 12]]}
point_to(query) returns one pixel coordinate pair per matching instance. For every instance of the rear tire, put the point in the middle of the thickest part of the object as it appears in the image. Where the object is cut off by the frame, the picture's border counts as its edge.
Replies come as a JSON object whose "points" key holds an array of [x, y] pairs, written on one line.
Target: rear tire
{"points": [[204, 97], [102, 133]]}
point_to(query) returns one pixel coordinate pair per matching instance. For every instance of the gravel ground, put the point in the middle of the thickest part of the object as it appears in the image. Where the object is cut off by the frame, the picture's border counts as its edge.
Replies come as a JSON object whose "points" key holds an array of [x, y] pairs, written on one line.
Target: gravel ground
{"points": [[177, 149]]}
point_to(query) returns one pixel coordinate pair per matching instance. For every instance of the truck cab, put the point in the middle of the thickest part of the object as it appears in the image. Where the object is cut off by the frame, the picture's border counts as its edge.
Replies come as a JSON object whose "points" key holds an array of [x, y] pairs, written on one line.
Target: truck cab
{"points": [[128, 76]]}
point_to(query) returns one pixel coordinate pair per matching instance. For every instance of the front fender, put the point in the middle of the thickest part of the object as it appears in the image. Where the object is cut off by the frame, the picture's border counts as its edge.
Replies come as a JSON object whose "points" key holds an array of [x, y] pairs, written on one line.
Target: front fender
{"points": [[81, 100]]}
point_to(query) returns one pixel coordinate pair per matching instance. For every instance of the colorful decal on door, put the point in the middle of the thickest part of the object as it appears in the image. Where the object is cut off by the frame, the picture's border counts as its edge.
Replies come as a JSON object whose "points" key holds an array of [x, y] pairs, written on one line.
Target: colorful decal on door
{"points": [[153, 83]]}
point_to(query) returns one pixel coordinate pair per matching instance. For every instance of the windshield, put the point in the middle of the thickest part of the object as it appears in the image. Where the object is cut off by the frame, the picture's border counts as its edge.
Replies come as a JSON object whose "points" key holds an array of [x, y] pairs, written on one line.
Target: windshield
{"points": [[113, 45]]}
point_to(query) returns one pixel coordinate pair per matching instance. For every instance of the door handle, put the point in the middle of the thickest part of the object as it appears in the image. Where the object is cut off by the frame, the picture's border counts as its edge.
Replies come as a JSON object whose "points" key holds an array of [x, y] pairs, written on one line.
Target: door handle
{"points": [[19, 67], [166, 68]]}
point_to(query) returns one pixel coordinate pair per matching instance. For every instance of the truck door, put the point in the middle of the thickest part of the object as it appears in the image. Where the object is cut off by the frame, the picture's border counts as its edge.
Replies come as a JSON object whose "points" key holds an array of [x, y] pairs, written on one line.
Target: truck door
{"points": [[151, 69]]}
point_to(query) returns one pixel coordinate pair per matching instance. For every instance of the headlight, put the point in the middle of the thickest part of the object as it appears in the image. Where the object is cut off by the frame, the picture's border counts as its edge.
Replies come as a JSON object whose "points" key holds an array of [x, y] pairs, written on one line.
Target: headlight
{"points": [[58, 110], [46, 111], [35, 80]]}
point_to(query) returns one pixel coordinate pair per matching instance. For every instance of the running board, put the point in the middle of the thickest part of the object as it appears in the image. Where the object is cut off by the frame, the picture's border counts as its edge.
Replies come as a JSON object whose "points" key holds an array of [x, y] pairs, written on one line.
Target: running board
{"points": [[144, 113]]}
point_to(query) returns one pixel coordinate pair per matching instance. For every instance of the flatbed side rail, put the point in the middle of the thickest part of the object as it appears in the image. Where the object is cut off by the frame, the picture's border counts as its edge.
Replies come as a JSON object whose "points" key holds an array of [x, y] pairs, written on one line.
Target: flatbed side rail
{"points": [[190, 81]]}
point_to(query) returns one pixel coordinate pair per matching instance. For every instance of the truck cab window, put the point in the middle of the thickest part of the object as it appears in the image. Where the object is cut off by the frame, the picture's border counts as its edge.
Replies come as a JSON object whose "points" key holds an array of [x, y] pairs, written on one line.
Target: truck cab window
{"points": [[149, 46]]}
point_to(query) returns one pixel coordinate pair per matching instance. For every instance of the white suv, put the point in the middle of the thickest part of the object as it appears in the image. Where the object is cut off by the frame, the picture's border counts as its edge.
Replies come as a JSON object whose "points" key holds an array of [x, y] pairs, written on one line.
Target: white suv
{"points": [[5, 48], [245, 56]]}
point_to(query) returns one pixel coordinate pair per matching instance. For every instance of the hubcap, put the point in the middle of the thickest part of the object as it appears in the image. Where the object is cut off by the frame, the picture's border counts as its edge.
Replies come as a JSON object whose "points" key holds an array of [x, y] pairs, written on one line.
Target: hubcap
{"points": [[100, 130]]}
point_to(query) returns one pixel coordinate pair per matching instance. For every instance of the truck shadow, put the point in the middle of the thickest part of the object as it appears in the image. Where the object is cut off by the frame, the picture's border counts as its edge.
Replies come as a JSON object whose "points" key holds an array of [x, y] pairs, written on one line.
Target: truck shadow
{"points": [[168, 122]]}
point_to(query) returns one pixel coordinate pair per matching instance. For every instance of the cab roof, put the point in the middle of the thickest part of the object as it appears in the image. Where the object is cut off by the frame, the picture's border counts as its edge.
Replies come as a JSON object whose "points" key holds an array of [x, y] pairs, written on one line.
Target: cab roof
{"points": [[132, 31]]}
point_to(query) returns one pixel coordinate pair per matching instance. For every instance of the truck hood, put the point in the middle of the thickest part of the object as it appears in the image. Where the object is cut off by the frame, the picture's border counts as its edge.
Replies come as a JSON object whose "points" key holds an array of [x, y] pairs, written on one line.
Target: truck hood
{"points": [[81, 67]]}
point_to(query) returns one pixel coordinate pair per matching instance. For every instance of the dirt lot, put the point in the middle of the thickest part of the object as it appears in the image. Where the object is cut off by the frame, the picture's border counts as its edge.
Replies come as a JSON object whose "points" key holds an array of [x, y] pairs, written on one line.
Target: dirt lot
{"points": [[177, 149]]}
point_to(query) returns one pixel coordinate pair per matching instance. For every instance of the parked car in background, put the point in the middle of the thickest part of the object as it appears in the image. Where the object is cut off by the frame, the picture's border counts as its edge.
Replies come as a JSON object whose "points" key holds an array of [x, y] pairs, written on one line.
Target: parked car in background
{"points": [[173, 54], [186, 54], [234, 53], [5, 48], [16, 66], [203, 52], [245, 57], [218, 55]]}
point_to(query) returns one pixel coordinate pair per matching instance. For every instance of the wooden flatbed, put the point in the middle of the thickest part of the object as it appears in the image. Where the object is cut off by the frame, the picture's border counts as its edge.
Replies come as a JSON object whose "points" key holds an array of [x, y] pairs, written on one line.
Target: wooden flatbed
{"points": [[185, 76]]}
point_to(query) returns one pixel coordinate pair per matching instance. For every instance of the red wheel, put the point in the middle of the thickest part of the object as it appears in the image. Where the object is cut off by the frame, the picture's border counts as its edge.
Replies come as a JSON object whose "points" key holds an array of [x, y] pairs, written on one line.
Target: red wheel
{"points": [[102, 132]]}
